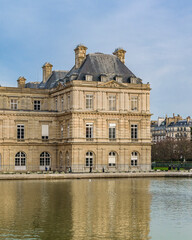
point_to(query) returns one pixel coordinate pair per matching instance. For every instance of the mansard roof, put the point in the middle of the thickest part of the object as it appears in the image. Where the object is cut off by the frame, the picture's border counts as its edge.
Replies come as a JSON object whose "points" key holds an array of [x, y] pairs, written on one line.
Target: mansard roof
{"points": [[55, 78], [97, 64]]}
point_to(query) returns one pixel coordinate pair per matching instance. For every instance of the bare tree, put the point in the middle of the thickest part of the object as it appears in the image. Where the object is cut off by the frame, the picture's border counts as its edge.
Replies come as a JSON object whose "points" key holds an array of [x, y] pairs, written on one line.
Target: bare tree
{"points": [[172, 149]]}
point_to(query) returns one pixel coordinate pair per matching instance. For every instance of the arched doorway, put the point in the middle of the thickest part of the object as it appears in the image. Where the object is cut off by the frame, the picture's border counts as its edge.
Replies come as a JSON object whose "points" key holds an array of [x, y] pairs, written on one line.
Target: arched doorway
{"points": [[20, 161], [89, 160], [45, 161], [67, 162], [0, 162], [134, 159], [112, 159], [61, 164]]}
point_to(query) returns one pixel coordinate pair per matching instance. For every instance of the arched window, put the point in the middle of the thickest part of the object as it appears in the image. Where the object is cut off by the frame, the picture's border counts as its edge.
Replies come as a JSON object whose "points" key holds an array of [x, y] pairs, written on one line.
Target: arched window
{"points": [[61, 160], [20, 161], [0, 161], [112, 159], [89, 159], [134, 159], [45, 160], [67, 160]]}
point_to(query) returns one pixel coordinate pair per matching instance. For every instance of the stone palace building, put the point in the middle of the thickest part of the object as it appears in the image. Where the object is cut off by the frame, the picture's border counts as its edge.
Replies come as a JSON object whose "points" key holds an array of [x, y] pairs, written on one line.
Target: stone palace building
{"points": [[94, 117]]}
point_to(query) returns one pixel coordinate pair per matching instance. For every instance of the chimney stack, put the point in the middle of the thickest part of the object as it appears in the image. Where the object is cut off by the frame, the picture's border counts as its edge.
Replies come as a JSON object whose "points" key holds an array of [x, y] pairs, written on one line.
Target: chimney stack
{"points": [[47, 71], [80, 55], [21, 82], [188, 119], [120, 53]]}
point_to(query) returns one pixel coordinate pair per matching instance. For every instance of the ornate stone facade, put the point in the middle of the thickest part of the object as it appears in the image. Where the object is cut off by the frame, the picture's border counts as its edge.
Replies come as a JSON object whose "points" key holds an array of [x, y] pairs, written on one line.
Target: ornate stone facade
{"points": [[79, 123]]}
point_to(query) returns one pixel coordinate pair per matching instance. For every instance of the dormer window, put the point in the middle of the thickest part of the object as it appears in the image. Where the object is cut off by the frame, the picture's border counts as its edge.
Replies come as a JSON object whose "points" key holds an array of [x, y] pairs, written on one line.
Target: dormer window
{"points": [[88, 77], [119, 79], [73, 76], [133, 80], [103, 78]]}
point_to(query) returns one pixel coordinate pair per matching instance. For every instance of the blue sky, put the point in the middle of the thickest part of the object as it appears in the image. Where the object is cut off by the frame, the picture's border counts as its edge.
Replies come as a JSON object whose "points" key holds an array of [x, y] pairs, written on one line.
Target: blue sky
{"points": [[157, 35]]}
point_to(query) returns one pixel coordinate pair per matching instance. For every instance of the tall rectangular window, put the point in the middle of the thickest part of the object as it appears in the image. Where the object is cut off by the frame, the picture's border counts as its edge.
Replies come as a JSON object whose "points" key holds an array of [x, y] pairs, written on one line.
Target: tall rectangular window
{"points": [[13, 104], [20, 132], [62, 104], [56, 104], [37, 105], [68, 130], [134, 134], [112, 103], [61, 131], [89, 130], [112, 131], [134, 104], [68, 102], [45, 132], [89, 101]]}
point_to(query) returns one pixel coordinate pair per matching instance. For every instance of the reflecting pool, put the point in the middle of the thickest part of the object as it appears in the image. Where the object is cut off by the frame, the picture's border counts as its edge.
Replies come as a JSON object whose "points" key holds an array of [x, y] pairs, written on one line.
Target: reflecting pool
{"points": [[113, 209]]}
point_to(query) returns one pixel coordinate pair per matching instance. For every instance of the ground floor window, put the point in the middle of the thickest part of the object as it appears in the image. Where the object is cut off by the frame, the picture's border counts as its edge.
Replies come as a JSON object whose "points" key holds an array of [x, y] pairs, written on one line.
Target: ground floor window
{"points": [[20, 161], [89, 159], [67, 164], [134, 159], [61, 160], [45, 160], [112, 159]]}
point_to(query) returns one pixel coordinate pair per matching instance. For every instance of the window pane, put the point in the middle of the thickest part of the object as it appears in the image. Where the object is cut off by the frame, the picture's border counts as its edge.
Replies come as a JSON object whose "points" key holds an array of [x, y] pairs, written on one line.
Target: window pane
{"points": [[20, 131], [37, 105], [89, 101], [134, 103], [112, 103]]}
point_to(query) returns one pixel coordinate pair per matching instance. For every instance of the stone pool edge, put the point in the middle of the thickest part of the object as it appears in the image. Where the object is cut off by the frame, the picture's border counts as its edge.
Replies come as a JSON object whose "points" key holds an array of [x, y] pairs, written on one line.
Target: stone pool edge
{"points": [[47, 176]]}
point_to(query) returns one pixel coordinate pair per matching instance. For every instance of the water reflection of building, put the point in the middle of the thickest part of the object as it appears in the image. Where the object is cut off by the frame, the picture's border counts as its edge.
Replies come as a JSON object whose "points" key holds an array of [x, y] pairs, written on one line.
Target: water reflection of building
{"points": [[37, 209], [122, 210]]}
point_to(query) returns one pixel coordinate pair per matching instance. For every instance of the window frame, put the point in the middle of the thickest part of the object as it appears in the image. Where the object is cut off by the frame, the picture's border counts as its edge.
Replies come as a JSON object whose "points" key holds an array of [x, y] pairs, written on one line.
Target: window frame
{"points": [[45, 160], [89, 102], [45, 136], [20, 161], [112, 103], [112, 131], [112, 154], [134, 103], [134, 131], [14, 104], [134, 159], [89, 157], [20, 132], [36, 105], [89, 131]]}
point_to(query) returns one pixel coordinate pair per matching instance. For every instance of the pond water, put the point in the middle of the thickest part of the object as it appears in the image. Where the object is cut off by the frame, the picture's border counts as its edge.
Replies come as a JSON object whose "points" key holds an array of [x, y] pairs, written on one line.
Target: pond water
{"points": [[113, 209]]}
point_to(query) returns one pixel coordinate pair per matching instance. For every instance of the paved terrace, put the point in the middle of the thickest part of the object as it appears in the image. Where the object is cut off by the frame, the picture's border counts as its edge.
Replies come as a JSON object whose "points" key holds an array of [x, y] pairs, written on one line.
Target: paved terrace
{"points": [[51, 175]]}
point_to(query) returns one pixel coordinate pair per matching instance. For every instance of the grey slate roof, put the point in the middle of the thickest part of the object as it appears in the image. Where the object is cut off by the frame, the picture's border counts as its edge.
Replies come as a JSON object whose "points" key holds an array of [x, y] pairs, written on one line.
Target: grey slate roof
{"points": [[32, 85], [55, 78], [181, 123], [96, 64]]}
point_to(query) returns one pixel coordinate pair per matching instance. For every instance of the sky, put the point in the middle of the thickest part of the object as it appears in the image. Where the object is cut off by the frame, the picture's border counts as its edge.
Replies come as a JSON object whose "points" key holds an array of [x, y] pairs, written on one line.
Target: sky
{"points": [[157, 35]]}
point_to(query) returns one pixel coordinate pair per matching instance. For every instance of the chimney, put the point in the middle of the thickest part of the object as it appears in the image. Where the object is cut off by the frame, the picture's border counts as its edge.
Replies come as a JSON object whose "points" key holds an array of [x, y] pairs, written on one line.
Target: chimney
{"points": [[21, 82], [120, 53], [80, 55], [188, 119], [47, 71]]}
